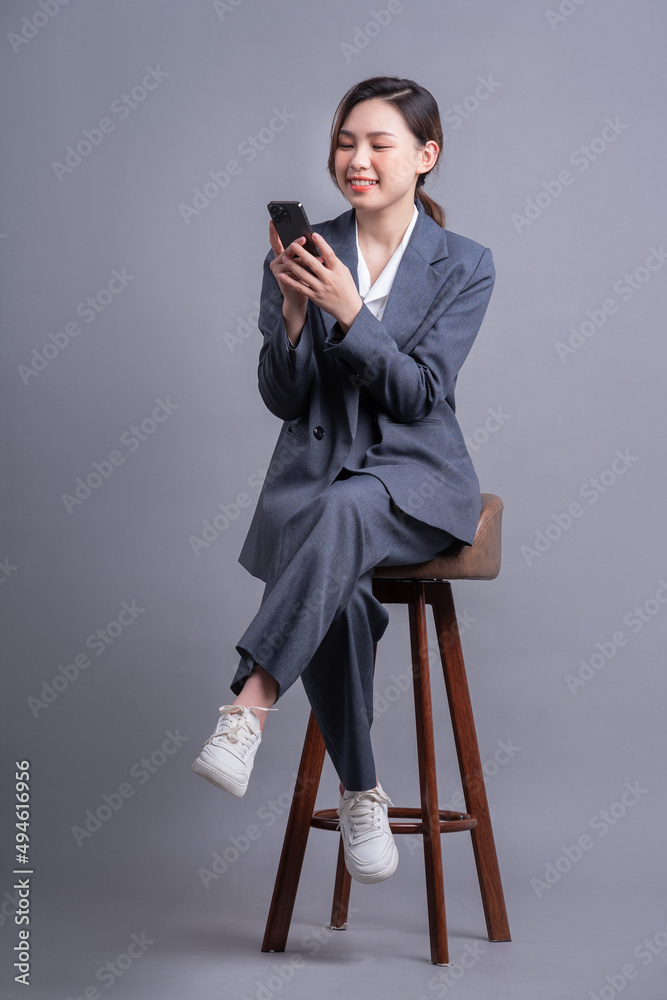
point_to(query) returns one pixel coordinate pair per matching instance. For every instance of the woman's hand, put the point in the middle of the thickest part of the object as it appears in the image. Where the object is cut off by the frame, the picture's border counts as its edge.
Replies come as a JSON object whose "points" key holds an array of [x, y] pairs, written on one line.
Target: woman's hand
{"points": [[332, 288], [295, 301]]}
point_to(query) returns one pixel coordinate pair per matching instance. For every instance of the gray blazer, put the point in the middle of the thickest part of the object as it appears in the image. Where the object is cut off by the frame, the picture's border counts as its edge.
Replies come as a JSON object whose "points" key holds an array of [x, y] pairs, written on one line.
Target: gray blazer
{"points": [[405, 366]]}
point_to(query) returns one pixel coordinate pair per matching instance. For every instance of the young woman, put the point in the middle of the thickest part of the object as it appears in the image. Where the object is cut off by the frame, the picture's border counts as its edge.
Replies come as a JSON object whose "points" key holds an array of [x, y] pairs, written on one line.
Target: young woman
{"points": [[359, 360]]}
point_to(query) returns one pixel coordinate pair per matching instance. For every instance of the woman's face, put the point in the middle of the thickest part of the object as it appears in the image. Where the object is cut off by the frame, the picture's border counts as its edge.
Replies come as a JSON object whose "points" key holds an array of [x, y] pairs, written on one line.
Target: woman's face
{"points": [[375, 143]]}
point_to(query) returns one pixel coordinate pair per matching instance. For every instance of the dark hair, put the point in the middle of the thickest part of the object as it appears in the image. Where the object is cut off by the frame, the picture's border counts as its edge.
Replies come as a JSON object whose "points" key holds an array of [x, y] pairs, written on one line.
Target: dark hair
{"points": [[420, 113]]}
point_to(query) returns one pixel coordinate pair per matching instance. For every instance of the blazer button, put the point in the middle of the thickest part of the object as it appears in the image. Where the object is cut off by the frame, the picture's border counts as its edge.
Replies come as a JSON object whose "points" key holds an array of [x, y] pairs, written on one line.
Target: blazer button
{"points": [[318, 432]]}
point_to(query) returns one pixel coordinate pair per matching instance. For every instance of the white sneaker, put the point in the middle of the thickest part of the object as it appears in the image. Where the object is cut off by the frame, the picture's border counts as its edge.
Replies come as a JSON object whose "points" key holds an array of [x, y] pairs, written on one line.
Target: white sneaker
{"points": [[228, 755], [371, 854]]}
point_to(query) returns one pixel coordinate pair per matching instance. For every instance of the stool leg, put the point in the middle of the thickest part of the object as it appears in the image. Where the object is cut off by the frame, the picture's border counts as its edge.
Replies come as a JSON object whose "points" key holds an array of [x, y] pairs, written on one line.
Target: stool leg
{"points": [[296, 838], [435, 889], [470, 765], [341, 896]]}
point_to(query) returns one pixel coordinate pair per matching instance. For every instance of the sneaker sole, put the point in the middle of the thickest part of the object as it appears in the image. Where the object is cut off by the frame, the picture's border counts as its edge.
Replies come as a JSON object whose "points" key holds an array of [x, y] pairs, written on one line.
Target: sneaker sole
{"points": [[378, 876], [218, 778]]}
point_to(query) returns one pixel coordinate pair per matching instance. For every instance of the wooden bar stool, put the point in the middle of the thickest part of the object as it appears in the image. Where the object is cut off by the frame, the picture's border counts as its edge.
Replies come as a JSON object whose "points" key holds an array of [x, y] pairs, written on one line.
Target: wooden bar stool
{"points": [[415, 585]]}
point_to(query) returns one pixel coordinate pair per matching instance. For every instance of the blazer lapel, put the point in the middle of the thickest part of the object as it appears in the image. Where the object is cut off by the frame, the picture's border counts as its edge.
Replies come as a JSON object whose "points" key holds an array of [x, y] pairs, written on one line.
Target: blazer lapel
{"points": [[340, 235], [416, 281], [412, 292]]}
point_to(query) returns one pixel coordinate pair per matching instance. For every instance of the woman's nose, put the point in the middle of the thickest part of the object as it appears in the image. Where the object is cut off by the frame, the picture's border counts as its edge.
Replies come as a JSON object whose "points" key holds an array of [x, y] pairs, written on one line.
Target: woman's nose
{"points": [[359, 162]]}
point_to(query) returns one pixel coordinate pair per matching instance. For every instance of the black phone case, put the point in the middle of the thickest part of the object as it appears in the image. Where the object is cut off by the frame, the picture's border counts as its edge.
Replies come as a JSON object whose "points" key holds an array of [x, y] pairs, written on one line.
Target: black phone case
{"points": [[291, 221]]}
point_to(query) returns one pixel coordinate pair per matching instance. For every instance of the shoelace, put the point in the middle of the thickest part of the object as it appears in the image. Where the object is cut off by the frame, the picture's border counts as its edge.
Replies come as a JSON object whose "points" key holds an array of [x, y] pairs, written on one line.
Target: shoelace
{"points": [[236, 726], [364, 810]]}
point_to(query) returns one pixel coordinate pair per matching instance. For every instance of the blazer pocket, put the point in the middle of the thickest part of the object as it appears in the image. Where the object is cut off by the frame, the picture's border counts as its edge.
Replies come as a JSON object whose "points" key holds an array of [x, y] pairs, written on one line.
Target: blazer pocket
{"points": [[297, 431], [415, 423]]}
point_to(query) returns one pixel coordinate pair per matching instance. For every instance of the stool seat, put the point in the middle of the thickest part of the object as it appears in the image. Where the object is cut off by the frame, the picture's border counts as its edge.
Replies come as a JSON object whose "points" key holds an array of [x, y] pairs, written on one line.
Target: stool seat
{"points": [[479, 561], [416, 586]]}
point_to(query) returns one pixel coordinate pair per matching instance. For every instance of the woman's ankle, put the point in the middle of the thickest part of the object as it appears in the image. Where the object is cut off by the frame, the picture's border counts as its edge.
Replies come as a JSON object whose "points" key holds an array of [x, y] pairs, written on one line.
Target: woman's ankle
{"points": [[260, 690], [341, 787]]}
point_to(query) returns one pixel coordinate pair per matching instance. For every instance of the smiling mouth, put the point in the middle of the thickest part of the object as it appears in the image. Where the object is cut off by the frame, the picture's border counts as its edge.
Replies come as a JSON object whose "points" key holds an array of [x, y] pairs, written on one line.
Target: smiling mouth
{"points": [[354, 182]]}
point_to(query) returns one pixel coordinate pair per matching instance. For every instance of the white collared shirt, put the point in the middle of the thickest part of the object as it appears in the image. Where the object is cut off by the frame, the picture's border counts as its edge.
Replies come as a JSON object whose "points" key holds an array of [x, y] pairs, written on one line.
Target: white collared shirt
{"points": [[375, 298]]}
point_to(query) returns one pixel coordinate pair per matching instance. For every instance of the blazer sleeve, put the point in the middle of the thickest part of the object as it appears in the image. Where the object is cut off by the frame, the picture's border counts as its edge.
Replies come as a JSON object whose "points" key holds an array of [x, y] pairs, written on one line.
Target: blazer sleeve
{"points": [[284, 374], [409, 386]]}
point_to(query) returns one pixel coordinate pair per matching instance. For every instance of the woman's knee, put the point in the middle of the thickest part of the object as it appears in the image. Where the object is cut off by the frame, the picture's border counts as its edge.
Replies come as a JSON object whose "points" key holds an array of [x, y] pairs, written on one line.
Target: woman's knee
{"points": [[355, 497]]}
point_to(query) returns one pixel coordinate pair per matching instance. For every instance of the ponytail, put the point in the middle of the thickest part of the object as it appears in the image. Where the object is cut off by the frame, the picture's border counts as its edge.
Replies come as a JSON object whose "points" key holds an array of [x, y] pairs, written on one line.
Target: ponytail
{"points": [[431, 207]]}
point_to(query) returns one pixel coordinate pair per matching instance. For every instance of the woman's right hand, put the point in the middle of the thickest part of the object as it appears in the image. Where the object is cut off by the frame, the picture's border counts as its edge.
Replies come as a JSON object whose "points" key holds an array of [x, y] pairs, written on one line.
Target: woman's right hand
{"points": [[295, 301]]}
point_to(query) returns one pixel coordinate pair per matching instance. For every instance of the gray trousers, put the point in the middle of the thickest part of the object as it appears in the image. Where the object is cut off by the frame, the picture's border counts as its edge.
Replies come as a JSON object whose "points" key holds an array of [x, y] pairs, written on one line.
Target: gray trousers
{"points": [[318, 618]]}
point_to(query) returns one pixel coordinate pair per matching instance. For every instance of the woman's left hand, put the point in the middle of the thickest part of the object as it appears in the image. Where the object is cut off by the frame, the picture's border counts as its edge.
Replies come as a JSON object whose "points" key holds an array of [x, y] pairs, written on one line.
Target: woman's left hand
{"points": [[332, 288]]}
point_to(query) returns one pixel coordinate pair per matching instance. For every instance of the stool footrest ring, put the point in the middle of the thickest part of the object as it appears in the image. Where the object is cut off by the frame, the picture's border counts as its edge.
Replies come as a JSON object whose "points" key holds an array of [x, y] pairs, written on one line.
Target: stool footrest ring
{"points": [[450, 822]]}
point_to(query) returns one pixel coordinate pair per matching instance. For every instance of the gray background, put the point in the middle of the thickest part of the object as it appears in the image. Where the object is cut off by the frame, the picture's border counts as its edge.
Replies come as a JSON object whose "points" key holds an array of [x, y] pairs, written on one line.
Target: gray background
{"points": [[170, 334]]}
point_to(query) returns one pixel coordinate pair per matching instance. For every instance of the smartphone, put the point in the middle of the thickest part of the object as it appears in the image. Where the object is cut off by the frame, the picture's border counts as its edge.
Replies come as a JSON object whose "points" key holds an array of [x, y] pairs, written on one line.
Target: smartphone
{"points": [[291, 221]]}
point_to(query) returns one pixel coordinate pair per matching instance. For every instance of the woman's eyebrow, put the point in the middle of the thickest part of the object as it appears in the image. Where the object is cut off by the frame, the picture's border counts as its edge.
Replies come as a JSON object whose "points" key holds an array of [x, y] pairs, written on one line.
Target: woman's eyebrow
{"points": [[346, 131]]}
